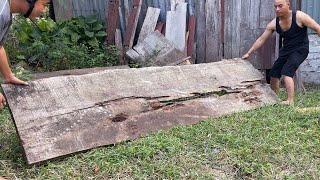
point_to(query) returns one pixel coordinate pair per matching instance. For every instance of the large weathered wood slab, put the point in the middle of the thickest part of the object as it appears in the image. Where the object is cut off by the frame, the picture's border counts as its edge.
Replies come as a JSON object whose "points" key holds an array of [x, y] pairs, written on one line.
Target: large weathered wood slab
{"points": [[62, 115]]}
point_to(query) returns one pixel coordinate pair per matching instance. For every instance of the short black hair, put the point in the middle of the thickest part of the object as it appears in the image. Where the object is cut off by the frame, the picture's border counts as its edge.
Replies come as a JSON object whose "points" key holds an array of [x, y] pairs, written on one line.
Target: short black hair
{"points": [[31, 6]]}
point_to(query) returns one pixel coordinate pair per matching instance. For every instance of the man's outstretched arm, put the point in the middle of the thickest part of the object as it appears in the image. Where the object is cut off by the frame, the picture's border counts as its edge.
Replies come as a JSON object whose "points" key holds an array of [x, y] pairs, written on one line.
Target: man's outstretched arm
{"points": [[262, 39], [306, 20]]}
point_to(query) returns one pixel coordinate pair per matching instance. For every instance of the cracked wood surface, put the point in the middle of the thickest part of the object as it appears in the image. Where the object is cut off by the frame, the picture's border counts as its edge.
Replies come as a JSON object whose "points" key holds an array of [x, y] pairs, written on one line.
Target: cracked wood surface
{"points": [[63, 115]]}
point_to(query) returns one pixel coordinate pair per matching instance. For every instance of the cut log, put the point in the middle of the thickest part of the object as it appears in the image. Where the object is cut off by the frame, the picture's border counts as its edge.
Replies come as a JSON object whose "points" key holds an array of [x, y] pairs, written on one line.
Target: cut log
{"points": [[150, 23], [62, 115], [155, 50]]}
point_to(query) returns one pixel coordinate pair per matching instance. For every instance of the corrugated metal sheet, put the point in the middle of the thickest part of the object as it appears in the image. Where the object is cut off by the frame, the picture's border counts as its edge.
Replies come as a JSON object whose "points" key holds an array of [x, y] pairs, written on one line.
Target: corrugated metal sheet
{"points": [[90, 7], [311, 7]]}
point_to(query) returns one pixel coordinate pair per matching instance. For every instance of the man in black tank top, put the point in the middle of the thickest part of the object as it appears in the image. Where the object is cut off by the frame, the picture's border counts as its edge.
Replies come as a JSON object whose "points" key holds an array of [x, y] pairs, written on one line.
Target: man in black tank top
{"points": [[292, 26]]}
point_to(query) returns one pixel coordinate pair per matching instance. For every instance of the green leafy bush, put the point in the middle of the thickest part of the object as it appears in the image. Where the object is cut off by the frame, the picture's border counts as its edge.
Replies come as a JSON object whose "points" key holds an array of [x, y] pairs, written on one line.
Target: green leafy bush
{"points": [[50, 46]]}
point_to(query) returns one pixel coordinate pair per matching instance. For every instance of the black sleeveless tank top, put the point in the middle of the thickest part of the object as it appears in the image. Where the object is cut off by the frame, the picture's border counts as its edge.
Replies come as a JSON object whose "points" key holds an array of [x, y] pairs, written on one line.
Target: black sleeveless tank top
{"points": [[294, 38]]}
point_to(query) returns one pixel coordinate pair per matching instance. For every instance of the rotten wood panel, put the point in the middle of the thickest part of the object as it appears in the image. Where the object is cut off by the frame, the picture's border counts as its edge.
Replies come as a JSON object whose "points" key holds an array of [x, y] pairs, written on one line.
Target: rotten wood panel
{"points": [[63, 115], [118, 43], [155, 50], [63, 9], [201, 31], [150, 23], [213, 31], [112, 21], [132, 24], [191, 36], [176, 26]]}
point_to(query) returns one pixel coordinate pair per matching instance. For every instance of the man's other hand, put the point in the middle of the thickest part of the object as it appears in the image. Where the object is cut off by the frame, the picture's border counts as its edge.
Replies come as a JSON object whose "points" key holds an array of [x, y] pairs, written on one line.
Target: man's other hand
{"points": [[246, 56], [2, 101], [14, 80]]}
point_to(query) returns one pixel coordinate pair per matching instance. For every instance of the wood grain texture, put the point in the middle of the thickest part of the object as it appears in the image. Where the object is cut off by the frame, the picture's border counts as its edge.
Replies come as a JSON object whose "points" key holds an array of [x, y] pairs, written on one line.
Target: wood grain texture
{"points": [[201, 31], [62, 115], [132, 24], [150, 23], [176, 26], [112, 21], [191, 36], [63, 9]]}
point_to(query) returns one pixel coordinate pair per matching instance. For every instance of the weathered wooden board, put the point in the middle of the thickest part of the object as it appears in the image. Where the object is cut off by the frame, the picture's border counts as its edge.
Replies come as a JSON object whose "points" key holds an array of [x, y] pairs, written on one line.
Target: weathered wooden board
{"points": [[201, 31], [62, 115], [191, 37], [245, 21], [155, 50], [132, 24], [213, 31], [63, 9], [176, 26], [112, 21], [150, 23], [118, 43]]}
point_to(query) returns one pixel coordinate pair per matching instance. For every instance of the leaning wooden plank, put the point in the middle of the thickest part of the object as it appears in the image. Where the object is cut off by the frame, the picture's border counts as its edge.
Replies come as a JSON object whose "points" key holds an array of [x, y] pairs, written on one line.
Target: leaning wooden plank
{"points": [[62, 115], [132, 24], [63, 9], [112, 21], [201, 31], [118, 42], [149, 23], [176, 26], [155, 50], [192, 32]]}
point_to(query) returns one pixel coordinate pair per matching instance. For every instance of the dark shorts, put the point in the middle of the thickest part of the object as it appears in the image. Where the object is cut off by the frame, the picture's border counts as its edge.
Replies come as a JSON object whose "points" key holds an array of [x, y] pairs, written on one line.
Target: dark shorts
{"points": [[286, 65]]}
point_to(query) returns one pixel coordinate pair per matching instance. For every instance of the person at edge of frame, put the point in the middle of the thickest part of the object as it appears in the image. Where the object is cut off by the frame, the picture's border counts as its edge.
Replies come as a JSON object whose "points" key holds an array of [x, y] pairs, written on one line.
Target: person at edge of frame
{"points": [[292, 26], [30, 9]]}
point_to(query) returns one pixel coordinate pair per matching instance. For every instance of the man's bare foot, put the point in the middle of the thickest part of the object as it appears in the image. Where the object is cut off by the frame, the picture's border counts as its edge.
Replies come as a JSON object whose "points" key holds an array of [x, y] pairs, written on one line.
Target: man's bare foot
{"points": [[15, 80], [287, 103]]}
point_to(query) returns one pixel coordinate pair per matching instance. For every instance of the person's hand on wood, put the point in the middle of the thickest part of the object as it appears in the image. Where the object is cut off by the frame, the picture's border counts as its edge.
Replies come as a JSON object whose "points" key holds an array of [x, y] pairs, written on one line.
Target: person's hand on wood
{"points": [[2, 101], [14, 80], [246, 56]]}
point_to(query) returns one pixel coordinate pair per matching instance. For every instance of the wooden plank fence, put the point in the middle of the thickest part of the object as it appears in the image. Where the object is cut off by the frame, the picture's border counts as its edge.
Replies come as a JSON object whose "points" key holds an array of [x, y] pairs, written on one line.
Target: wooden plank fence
{"points": [[224, 28]]}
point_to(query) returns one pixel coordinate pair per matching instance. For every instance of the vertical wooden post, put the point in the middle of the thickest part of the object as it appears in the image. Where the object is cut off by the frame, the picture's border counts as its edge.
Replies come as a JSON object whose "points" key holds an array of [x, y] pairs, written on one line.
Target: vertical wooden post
{"points": [[132, 24], [112, 21]]}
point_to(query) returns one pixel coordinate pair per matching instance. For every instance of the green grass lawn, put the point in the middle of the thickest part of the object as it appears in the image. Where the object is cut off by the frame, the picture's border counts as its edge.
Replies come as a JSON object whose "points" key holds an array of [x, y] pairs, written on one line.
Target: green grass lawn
{"points": [[270, 142]]}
